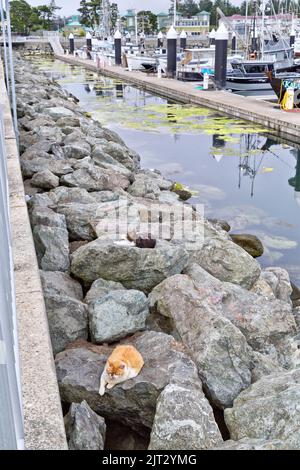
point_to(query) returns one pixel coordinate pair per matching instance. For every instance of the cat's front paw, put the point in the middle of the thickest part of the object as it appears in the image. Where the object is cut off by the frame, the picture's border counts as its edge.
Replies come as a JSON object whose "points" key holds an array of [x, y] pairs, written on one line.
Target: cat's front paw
{"points": [[102, 391]]}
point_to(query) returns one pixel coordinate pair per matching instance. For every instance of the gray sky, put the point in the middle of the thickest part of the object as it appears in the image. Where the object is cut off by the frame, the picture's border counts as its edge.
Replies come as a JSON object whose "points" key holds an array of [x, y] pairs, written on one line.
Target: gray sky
{"points": [[69, 7]]}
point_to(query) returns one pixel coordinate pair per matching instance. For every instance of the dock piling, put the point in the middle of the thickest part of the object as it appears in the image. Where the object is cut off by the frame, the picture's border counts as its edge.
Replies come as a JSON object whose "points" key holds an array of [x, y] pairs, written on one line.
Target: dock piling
{"points": [[221, 56], [89, 41], [118, 47], [183, 39], [172, 52], [71, 43]]}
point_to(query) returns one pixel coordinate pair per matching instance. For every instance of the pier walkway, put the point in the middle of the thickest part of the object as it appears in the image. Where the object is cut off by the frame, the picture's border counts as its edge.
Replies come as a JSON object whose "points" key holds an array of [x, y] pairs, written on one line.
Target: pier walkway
{"points": [[267, 114]]}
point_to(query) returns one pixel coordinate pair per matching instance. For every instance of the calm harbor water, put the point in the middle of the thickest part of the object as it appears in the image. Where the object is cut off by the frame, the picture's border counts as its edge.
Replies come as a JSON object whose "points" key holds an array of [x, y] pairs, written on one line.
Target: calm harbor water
{"points": [[242, 173]]}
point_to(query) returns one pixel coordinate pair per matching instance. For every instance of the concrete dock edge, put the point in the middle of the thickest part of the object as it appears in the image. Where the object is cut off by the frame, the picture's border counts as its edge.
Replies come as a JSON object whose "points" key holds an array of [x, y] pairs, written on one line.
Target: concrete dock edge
{"points": [[260, 112], [43, 419]]}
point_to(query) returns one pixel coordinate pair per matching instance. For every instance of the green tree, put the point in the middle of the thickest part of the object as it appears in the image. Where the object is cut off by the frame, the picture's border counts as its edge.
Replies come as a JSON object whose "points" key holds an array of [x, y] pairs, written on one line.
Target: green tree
{"points": [[84, 13], [114, 15], [206, 5], [90, 11], [22, 16], [147, 21]]}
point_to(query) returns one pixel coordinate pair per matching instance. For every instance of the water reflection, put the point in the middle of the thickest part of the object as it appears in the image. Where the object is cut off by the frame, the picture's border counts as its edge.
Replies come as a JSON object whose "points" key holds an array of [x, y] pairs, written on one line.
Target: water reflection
{"points": [[242, 173]]}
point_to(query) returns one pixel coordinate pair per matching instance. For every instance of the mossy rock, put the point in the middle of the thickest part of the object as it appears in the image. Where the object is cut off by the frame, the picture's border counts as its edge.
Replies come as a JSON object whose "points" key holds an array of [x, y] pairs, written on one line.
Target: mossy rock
{"points": [[183, 193], [249, 243]]}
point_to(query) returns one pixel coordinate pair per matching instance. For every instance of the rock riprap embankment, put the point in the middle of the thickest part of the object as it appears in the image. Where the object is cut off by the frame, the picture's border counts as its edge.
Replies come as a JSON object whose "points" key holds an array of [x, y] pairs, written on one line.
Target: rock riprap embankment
{"points": [[218, 333]]}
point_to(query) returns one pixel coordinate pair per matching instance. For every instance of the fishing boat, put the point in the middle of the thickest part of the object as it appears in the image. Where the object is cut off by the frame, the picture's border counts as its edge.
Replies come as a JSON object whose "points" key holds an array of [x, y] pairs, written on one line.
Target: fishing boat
{"points": [[281, 82], [142, 60], [252, 74]]}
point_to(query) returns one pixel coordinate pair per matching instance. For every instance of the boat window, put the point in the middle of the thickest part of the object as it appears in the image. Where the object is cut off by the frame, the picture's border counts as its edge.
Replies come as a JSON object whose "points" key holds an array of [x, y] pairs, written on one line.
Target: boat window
{"points": [[255, 68]]}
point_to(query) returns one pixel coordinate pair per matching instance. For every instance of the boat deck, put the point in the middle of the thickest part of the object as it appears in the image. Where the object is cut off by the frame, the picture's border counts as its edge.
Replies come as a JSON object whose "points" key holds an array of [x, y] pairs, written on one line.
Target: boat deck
{"points": [[265, 113]]}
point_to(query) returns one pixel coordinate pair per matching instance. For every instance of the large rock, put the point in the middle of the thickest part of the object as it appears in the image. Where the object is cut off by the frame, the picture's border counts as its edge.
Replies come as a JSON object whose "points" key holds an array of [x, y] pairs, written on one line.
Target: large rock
{"points": [[58, 113], [35, 165], [135, 268], [80, 220], [119, 152], [183, 420], [77, 150], [228, 262], [59, 283], [117, 314], [218, 348], [133, 402], [43, 215], [249, 243], [84, 428], [97, 179], [279, 281], [144, 187], [266, 323], [45, 180], [67, 315], [52, 248], [100, 288], [268, 409]]}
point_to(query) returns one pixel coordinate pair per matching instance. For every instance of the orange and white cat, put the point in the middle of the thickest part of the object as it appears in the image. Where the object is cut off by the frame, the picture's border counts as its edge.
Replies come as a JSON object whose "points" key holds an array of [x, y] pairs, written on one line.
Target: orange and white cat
{"points": [[125, 362]]}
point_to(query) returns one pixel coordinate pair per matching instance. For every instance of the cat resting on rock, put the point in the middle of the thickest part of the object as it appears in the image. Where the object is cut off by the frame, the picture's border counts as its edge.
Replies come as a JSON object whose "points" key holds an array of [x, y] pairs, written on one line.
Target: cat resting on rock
{"points": [[125, 362]]}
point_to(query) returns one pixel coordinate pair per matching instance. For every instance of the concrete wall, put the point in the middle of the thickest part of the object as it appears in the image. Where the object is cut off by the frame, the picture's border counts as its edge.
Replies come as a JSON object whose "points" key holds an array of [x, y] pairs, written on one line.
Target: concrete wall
{"points": [[43, 420]]}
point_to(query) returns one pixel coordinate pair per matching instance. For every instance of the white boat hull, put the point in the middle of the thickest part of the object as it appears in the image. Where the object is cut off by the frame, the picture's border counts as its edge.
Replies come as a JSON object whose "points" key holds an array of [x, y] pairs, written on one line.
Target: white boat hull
{"points": [[247, 86]]}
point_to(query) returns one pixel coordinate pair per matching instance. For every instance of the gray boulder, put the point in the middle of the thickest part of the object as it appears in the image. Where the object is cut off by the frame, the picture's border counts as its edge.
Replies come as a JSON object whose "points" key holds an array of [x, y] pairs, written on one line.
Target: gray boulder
{"points": [[80, 220], [100, 288], [218, 348], [97, 179], [144, 186], [59, 283], [35, 165], [268, 409], [68, 121], [119, 152], [135, 268], [118, 314], [45, 180], [42, 215], [133, 402], [279, 281], [228, 262], [184, 420], [58, 112], [52, 248], [266, 323], [77, 150], [85, 429], [64, 195], [67, 315]]}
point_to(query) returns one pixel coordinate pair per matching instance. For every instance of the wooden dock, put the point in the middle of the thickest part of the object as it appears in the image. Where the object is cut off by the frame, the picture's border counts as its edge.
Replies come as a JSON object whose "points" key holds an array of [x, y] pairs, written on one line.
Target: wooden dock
{"points": [[265, 113]]}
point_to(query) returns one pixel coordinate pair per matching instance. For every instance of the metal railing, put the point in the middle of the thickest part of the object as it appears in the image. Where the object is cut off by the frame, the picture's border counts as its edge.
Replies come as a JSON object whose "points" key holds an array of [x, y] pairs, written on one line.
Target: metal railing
{"points": [[11, 417]]}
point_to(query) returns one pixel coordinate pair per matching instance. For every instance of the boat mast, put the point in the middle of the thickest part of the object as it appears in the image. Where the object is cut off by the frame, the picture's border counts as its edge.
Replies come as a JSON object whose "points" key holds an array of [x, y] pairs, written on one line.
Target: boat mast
{"points": [[254, 26], [136, 26], [175, 13], [263, 6]]}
